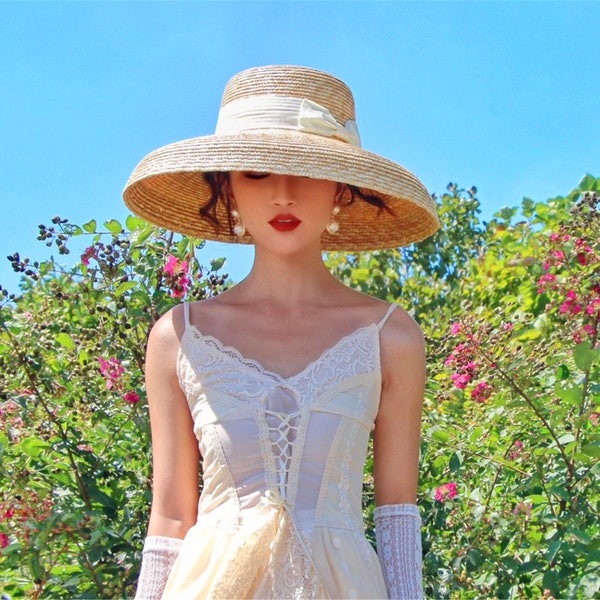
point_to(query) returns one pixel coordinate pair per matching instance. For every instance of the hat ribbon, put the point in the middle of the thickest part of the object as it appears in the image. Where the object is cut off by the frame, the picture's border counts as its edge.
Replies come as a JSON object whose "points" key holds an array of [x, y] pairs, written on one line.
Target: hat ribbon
{"points": [[276, 112]]}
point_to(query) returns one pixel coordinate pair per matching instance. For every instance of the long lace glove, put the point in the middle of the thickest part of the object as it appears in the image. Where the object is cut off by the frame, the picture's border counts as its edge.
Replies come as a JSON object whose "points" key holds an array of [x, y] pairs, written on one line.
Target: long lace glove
{"points": [[158, 556], [398, 535]]}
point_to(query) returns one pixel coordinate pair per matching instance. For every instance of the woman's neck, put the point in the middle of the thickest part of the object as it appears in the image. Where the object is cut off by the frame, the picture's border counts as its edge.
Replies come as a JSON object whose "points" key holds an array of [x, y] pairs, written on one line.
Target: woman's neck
{"points": [[288, 281]]}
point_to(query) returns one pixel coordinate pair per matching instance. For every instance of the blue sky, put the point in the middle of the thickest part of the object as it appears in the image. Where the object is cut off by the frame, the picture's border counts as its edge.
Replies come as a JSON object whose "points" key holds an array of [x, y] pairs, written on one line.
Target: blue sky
{"points": [[501, 95]]}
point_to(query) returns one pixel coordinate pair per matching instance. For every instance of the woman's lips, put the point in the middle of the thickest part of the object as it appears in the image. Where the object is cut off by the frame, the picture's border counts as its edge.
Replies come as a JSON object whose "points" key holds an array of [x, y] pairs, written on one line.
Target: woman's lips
{"points": [[284, 222]]}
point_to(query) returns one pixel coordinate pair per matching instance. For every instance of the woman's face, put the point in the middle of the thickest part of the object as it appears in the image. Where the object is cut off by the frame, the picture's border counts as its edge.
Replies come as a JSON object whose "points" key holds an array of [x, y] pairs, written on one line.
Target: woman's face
{"points": [[283, 212]]}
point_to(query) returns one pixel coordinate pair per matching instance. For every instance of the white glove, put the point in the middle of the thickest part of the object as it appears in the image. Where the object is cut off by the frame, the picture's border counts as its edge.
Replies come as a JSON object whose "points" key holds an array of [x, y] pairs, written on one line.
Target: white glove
{"points": [[398, 535], [158, 556]]}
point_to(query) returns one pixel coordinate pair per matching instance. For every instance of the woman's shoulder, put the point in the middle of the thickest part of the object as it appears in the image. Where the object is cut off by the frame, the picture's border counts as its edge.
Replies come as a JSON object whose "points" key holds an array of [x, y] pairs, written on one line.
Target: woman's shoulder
{"points": [[395, 320], [400, 333]]}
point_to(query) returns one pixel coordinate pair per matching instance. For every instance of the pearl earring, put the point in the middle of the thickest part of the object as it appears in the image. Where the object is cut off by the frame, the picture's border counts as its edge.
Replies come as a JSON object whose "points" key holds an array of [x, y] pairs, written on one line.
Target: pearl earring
{"points": [[239, 229], [333, 226]]}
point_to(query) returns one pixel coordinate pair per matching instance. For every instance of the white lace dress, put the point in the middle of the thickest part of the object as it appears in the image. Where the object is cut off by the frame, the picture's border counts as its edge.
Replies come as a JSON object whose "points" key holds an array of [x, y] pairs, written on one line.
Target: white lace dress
{"points": [[280, 511]]}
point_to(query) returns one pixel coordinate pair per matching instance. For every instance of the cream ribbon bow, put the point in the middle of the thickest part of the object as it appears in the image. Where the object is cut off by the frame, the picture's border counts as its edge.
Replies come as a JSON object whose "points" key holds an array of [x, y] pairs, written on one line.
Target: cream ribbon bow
{"points": [[274, 112]]}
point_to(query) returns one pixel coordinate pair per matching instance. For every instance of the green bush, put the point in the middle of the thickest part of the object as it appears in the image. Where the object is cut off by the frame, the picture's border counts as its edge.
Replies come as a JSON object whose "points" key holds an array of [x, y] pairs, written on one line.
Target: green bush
{"points": [[511, 440], [74, 432]]}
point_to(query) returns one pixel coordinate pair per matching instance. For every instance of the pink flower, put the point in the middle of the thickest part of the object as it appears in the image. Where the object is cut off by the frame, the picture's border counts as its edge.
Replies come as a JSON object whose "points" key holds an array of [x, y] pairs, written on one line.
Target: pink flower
{"points": [[482, 392], [177, 276], [111, 370], [594, 419], [544, 281], [593, 307], [517, 448], [446, 491], [570, 305], [461, 380], [554, 237], [456, 328], [89, 252], [3, 541], [131, 397], [171, 266]]}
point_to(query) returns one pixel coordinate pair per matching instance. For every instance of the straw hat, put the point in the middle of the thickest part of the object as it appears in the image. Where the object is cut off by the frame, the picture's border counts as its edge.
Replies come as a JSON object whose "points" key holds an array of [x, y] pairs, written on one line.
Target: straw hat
{"points": [[290, 121]]}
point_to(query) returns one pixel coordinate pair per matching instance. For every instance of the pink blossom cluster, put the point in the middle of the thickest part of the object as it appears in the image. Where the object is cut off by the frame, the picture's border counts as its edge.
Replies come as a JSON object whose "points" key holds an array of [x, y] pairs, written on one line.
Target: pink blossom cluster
{"points": [[570, 305], [481, 392], [177, 276], [516, 450], [566, 276], [17, 516], [131, 397], [584, 253], [446, 491], [462, 360], [111, 370]]}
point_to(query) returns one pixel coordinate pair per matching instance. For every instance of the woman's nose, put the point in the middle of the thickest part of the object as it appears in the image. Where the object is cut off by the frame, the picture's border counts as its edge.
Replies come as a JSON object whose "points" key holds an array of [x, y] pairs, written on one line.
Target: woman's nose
{"points": [[283, 191]]}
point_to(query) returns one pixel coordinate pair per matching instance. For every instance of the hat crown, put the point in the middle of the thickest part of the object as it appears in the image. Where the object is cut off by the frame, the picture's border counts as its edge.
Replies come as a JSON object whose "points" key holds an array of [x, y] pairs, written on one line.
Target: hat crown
{"points": [[293, 82]]}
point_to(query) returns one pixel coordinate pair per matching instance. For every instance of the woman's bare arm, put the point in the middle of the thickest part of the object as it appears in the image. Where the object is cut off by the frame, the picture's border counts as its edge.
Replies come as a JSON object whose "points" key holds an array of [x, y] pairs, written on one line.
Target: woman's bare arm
{"points": [[398, 425], [174, 446]]}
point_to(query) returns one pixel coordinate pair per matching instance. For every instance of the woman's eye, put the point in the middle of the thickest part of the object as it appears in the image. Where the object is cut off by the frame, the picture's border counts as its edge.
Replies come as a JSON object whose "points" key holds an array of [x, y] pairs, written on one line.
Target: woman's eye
{"points": [[255, 175]]}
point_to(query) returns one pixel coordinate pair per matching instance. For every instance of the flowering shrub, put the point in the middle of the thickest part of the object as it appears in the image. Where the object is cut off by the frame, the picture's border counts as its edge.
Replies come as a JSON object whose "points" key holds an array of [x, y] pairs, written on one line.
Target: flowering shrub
{"points": [[74, 435], [510, 412]]}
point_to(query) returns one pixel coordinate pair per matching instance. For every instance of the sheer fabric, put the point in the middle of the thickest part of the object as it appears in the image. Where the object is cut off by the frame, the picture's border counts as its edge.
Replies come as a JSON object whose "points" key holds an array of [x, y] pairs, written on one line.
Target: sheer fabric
{"points": [[158, 556], [398, 534], [280, 513]]}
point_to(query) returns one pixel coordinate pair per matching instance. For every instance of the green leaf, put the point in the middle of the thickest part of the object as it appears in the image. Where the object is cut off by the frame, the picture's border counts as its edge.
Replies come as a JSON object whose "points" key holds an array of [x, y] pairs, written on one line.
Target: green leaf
{"points": [[216, 264], [591, 450], [113, 226], [134, 223], [33, 447], [551, 581], [585, 355], [90, 226], [570, 395], [440, 436], [530, 334], [65, 340], [75, 230], [474, 559], [563, 372], [455, 462], [125, 286]]}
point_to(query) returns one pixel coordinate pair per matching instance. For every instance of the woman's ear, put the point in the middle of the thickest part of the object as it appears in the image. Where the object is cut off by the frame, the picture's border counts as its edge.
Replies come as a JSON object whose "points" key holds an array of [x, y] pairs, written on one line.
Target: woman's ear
{"points": [[340, 193]]}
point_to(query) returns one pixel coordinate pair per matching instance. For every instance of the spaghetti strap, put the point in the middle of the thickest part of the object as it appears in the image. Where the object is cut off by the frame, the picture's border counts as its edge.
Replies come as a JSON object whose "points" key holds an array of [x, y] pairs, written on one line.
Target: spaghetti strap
{"points": [[390, 310], [186, 314]]}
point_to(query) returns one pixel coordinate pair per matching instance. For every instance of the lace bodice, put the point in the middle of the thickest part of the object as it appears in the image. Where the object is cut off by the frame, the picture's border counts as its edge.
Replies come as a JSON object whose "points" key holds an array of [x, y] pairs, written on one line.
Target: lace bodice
{"points": [[285, 454]]}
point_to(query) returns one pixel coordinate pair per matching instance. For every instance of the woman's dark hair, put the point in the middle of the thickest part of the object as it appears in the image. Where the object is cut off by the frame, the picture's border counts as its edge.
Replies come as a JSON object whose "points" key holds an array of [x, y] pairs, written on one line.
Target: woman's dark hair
{"points": [[218, 182]]}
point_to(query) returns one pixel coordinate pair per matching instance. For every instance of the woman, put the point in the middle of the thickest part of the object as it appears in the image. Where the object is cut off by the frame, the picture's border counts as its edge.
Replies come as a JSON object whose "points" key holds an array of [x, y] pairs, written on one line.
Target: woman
{"points": [[276, 384]]}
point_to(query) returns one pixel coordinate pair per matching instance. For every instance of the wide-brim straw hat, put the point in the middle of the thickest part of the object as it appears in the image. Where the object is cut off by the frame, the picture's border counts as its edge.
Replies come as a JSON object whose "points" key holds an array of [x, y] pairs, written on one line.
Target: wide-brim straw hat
{"points": [[286, 120]]}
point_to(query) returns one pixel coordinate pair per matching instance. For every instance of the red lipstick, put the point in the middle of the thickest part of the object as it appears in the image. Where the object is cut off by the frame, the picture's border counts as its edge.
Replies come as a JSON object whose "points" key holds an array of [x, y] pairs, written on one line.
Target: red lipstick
{"points": [[284, 222]]}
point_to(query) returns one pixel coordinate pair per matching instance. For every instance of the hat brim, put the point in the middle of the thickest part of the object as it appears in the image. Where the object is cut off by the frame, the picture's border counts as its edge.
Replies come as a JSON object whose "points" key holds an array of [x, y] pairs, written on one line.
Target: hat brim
{"points": [[168, 189]]}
